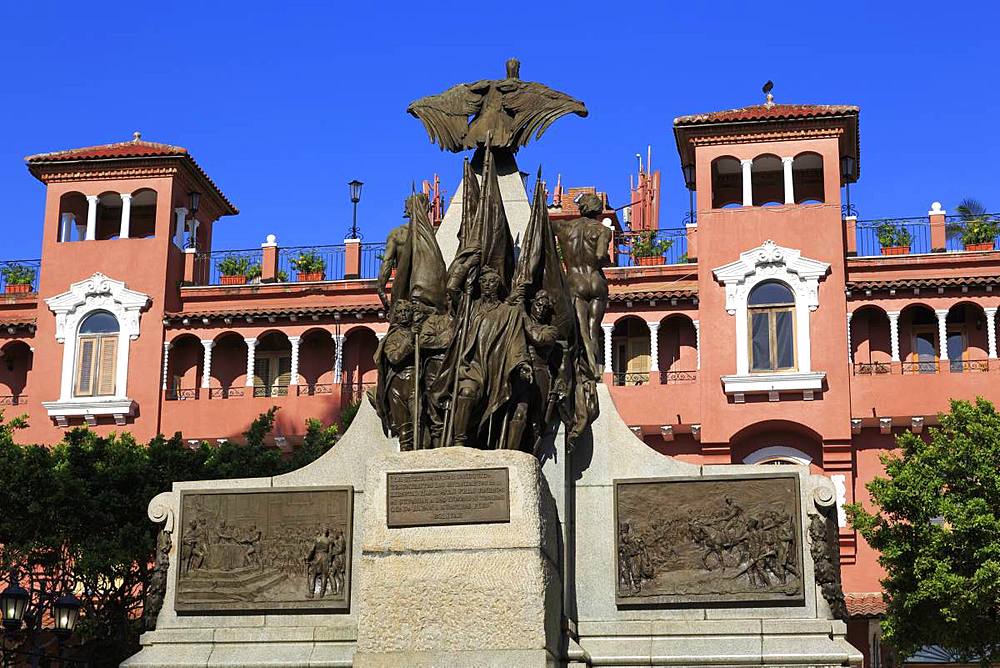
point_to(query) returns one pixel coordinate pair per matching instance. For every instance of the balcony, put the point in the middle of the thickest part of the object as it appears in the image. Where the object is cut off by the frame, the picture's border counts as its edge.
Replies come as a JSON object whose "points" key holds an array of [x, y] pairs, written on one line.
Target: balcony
{"points": [[19, 276], [271, 264], [652, 248], [935, 233]]}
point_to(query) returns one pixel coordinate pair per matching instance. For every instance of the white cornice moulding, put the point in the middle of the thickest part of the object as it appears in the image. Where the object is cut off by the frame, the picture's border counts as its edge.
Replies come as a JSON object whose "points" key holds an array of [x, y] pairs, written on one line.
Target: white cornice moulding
{"points": [[771, 261]]}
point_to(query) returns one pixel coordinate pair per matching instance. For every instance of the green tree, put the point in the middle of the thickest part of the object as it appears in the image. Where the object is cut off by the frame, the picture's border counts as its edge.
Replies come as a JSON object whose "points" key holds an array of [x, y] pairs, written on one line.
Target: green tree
{"points": [[74, 518], [937, 527]]}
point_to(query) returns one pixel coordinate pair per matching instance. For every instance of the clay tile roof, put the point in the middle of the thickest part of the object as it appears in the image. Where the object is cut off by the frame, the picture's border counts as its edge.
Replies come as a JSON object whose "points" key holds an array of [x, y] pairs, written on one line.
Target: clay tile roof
{"points": [[677, 293], [137, 148], [279, 312], [865, 604], [941, 282], [761, 112]]}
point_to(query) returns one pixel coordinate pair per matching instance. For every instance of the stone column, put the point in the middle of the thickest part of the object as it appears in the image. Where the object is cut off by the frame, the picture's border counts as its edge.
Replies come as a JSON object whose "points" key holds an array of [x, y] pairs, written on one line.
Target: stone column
{"points": [[123, 231], [894, 334], [608, 359], [786, 166], [294, 375], [697, 343], [942, 315], [206, 371], [91, 232], [66, 223], [850, 348], [166, 362], [991, 331], [251, 356], [654, 347], [747, 165], [338, 360], [181, 218]]}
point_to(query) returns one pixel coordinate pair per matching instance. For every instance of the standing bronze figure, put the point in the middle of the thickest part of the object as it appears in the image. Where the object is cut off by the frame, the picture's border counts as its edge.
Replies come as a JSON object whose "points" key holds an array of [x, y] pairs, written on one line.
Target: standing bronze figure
{"points": [[489, 352]]}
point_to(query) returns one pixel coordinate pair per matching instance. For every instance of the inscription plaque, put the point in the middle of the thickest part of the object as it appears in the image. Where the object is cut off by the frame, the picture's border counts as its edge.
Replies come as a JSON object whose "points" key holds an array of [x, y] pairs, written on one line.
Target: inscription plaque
{"points": [[264, 549], [711, 540], [462, 496]]}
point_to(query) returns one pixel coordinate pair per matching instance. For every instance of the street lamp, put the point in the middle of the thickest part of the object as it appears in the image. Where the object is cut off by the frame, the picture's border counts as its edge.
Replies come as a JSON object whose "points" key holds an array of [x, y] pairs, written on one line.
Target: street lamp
{"points": [[847, 165], [689, 184], [355, 187], [65, 610], [13, 601]]}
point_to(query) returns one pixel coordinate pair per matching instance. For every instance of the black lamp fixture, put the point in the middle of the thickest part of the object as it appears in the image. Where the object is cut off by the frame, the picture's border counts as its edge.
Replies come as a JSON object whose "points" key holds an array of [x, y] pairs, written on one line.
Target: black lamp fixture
{"points": [[689, 184], [355, 187], [195, 201], [13, 602], [848, 164], [65, 610]]}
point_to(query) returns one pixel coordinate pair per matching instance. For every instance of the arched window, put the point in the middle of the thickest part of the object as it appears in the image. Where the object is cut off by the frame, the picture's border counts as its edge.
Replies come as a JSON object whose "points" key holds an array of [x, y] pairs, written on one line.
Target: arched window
{"points": [[727, 182], [97, 356], [770, 309]]}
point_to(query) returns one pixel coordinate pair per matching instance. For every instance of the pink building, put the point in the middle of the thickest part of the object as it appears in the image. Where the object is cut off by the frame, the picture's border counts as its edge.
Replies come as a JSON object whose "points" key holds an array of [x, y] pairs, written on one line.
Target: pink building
{"points": [[772, 329]]}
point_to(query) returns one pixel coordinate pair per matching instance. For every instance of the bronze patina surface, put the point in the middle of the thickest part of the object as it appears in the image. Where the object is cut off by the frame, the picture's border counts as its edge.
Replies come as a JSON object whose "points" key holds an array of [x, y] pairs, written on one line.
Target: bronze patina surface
{"points": [[710, 540], [265, 549], [461, 496]]}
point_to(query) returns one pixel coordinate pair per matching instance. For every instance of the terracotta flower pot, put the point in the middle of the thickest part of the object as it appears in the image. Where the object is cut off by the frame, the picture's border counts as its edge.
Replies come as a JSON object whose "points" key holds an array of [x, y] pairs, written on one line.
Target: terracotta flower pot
{"points": [[233, 280], [987, 246], [650, 260], [311, 276], [18, 288], [895, 250]]}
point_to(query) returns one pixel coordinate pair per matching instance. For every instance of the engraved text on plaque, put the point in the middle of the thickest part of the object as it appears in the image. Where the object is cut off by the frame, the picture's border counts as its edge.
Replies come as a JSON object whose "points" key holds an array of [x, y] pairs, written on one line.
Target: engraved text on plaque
{"points": [[466, 496]]}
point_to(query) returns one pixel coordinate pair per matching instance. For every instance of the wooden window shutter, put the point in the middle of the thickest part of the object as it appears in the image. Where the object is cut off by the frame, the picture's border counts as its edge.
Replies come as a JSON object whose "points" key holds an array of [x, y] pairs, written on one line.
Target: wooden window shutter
{"points": [[260, 372], [85, 368], [284, 375], [107, 364]]}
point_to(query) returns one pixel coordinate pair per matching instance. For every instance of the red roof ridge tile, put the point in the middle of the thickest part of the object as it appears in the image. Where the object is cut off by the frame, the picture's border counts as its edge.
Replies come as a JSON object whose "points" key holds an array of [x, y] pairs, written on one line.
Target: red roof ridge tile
{"points": [[767, 111], [124, 149]]}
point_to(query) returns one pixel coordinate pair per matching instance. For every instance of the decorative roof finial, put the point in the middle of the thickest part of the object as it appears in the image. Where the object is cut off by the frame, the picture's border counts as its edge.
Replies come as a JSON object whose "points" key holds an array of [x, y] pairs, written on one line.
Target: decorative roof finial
{"points": [[136, 136], [768, 87]]}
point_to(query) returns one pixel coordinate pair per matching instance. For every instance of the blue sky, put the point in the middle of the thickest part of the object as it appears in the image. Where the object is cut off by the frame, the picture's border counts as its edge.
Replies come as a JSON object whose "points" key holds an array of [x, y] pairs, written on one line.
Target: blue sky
{"points": [[284, 102]]}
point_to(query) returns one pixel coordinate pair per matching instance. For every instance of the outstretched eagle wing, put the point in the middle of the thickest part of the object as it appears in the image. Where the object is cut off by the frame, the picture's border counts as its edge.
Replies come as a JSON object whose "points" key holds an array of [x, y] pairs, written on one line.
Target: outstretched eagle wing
{"points": [[446, 115], [535, 107]]}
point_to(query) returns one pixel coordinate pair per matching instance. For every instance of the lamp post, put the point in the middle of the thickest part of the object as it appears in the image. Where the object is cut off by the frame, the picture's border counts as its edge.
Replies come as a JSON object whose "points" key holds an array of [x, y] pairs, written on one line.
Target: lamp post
{"points": [[355, 187], [194, 202], [689, 184], [14, 602], [847, 164]]}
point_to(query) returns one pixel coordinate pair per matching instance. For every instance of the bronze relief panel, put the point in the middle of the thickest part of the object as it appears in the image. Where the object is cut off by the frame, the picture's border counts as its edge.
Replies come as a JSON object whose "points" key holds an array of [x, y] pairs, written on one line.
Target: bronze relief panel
{"points": [[265, 549], [710, 540]]}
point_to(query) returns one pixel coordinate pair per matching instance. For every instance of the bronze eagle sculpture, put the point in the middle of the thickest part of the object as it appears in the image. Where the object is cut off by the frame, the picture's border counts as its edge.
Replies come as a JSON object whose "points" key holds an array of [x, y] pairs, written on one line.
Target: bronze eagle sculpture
{"points": [[505, 113]]}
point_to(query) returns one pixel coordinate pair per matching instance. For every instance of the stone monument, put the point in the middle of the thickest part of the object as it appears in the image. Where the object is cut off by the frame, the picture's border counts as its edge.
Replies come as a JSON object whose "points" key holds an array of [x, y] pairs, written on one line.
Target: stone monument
{"points": [[489, 507]]}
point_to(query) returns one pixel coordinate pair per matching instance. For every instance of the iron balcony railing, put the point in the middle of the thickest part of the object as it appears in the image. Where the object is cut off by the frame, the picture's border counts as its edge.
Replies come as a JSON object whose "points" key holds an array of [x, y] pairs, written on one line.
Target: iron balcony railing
{"points": [[371, 259], [19, 275], [228, 267], [653, 247], [675, 377], [900, 236], [332, 259]]}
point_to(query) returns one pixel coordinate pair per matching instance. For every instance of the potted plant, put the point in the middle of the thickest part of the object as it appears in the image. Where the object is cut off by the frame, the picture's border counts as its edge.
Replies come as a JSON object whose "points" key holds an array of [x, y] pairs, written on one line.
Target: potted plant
{"points": [[309, 266], [648, 250], [234, 269], [17, 277], [977, 229], [894, 238]]}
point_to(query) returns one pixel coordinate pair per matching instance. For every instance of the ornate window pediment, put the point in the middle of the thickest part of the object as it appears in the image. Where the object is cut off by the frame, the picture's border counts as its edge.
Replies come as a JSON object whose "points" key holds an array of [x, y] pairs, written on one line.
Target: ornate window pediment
{"points": [[97, 293], [769, 261]]}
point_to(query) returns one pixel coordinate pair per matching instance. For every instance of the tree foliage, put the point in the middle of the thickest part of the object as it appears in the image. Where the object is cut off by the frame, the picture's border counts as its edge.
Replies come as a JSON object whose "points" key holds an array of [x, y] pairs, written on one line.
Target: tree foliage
{"points": [[937, 527], [74, 518]]}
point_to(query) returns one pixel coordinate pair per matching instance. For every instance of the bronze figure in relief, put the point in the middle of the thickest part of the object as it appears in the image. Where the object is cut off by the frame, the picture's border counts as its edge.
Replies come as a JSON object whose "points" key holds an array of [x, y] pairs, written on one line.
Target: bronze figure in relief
{"points": [[709, 540]]}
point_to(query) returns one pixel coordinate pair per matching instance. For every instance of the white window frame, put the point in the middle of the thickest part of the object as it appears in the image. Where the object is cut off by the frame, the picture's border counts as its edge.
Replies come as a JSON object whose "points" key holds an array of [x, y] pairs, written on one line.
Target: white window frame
{"points": [[771, 262], [97, 293]]}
